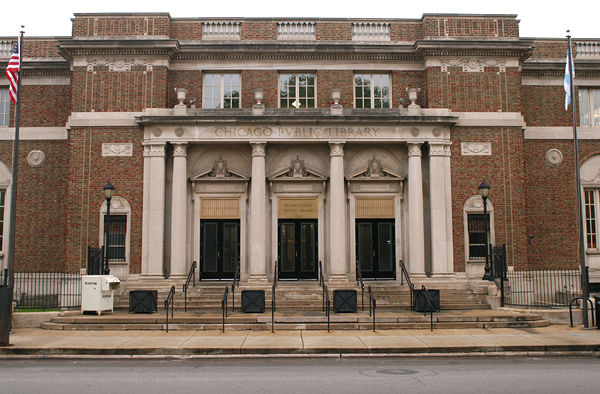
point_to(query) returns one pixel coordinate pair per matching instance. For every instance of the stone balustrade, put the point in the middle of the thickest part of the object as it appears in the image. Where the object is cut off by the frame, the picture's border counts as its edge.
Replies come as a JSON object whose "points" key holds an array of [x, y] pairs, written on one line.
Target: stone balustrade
{"points": [[370, 31], [587, 49]]}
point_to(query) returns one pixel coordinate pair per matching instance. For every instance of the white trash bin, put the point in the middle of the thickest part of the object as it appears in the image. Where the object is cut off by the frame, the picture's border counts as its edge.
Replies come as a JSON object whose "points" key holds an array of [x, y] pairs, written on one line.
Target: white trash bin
{"points": [[97, 292]]}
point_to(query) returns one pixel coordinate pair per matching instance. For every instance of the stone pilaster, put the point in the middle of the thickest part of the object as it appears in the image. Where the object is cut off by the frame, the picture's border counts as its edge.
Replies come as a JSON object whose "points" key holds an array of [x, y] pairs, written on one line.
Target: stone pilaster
{"points": [[437, 196], [258, 206], [337, 214], [156, 211], [416, 245], [448, 193], [179, 212]]}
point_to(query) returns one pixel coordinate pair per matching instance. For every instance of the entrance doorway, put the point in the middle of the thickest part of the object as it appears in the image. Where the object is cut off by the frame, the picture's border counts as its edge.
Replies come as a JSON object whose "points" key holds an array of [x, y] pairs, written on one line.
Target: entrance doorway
{"points": [[375, 248], [297, 249], [219, 248]]}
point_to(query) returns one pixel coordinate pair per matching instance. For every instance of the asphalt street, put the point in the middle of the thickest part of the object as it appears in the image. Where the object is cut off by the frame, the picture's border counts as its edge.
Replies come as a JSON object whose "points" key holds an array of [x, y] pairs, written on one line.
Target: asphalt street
{"points": [[303, 375]]}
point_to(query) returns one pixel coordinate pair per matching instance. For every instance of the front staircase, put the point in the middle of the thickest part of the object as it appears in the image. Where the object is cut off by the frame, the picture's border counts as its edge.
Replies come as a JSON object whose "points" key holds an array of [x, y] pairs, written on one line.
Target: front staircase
{"points": [[299, 306]]}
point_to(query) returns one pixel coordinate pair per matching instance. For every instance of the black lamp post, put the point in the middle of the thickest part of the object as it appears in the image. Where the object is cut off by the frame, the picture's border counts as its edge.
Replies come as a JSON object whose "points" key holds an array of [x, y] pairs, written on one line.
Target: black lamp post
{"points": [[108, 193], [484, 191]]}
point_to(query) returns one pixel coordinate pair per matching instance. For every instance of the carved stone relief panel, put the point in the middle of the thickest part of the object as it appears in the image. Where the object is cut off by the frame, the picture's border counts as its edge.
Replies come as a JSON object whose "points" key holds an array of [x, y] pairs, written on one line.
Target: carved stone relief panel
{"points": [[476, 148]]}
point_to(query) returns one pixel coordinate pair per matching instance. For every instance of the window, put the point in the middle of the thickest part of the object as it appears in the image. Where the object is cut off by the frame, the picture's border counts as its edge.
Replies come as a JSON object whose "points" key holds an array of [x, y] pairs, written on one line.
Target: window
{"points": [[591, 210], [297, 91], [476, 228], [222, 91], [4, 107], [116, 236], [589, 107], [372, 91], [2, 202]]}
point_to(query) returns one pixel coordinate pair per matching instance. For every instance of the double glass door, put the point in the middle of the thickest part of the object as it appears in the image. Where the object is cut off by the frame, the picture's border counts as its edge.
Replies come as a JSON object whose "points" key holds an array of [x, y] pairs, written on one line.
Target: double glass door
{"points": [[219, 248], [375, 248], [297, 247]]}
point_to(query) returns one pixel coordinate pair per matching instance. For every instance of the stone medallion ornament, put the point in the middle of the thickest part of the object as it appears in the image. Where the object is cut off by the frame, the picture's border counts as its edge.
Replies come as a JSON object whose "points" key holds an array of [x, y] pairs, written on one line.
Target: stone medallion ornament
{"points": [[36, 158], [554, 157]]}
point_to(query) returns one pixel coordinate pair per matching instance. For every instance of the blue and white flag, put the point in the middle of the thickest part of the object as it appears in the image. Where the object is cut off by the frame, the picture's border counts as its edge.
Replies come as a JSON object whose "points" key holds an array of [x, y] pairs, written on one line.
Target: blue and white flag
{"points": [[567, 82]]}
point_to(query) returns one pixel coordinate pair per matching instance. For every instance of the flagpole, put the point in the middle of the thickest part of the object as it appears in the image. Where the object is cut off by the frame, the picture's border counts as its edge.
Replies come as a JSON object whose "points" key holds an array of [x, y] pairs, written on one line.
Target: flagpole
{"points": [[13, 183], [584, 279]]}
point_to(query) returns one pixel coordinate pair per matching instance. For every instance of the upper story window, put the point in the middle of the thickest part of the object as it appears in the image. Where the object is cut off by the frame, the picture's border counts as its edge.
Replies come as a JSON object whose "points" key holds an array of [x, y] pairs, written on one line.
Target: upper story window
{"points": [[297, 91], [372, 91], [4, 107], [222, 91], [589, 107]]}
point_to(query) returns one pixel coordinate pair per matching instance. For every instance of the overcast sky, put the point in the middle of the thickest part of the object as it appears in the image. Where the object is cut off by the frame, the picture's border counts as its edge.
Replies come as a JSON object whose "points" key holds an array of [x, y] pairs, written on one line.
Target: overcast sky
{"points": [[538, 19]]}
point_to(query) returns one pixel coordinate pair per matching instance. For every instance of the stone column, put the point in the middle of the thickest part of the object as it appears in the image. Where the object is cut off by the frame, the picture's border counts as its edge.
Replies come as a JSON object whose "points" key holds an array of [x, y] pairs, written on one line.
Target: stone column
{"points": [[416, 235], [258, 206], [337, 214], [448, 193], [156, 211], [145, 206], [437, 196], [179, 212]]}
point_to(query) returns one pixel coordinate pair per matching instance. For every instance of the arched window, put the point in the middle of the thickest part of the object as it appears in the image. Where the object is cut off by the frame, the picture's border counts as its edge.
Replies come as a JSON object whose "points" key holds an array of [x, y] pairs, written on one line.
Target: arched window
{"points": [[119, 229], [590, 182], [475, 247]]}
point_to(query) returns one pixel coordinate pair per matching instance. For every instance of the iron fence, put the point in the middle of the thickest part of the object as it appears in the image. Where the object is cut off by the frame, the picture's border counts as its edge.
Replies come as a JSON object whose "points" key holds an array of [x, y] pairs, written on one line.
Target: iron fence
{"points": [[543, 288], [47, 290], [95, 260]]}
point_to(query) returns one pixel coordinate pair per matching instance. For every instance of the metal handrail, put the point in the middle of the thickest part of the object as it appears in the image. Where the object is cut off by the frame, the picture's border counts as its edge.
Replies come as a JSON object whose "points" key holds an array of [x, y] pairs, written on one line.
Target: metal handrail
{"points": [[321, 278], [327, 305], [359, 280], [429, 300], [571, 309], [405, 276], [190, 278], [224, 305], [169, 301], [372, 305], [234, 284]]}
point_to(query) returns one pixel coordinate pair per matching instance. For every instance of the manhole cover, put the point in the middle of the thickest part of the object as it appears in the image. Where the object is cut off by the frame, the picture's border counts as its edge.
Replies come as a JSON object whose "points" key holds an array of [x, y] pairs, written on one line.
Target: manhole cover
{"points": [[397, 371]]}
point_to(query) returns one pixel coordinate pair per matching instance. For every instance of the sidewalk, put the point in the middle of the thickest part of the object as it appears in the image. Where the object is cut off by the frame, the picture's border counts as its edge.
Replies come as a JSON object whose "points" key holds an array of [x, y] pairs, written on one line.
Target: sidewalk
{"points": [[498, 341]]}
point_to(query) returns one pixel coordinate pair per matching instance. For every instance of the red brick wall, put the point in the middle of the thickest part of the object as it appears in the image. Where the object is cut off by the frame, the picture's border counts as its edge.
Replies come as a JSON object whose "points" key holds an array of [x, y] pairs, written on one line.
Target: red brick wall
{"points": [[441, 26], [43, 105], [334, 31], [186, 30], [190, 80], [329, 79], [545, 106], [114, 91], [406, 31], [407, 79], [545, 49], [87, 174], [259, 30], [40, 48], [488, 91], [40, 219], [266, 79], [121, 26], [504, 171]]}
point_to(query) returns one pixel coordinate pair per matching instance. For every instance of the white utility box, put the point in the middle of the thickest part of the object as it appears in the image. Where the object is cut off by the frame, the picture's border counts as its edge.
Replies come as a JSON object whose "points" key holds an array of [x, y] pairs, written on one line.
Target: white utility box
{"points": [[97, 292]]}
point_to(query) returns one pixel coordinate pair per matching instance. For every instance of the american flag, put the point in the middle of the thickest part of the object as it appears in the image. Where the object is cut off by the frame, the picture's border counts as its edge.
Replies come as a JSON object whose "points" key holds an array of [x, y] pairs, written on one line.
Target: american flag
{"points": [[12, 73]]}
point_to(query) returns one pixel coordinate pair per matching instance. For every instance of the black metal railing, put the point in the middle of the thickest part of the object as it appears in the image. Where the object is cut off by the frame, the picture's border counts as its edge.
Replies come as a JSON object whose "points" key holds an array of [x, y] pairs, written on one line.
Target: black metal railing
{"points": [[322, 283], [549, 288], [361, 283], [327, 306], [47, 290], [95, 260], [405, 276], [372, 305], [430, 303], [234, 284], [191, 277], [577, 299], [169, 302], [273, 302], [224, 305]]}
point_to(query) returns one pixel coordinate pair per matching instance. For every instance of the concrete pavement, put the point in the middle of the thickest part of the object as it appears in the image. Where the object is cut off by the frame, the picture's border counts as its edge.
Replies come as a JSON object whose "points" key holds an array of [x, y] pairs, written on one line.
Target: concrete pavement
{"points": [[497, 341]]}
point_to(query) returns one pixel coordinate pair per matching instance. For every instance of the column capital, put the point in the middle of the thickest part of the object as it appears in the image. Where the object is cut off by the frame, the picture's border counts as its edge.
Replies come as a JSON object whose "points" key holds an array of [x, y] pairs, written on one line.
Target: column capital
{"points": [[179, 149], [414, 149], [258, 148], [336, 149], [154, 150], [437, 149], [447, 151]]}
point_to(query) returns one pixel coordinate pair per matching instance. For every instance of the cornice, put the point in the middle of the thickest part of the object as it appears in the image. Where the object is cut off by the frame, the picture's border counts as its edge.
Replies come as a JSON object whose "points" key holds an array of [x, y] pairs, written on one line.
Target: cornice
{"points": [[85, 47], [583, 68], [500, 48]]}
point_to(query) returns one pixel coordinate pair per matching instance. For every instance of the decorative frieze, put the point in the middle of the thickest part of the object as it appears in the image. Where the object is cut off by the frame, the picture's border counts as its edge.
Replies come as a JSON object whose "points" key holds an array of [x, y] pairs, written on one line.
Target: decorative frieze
{"points": [[117, 149], [473, 64], [118, 65], [371, 31], [221, 31], [475, 148], [296, 31]]}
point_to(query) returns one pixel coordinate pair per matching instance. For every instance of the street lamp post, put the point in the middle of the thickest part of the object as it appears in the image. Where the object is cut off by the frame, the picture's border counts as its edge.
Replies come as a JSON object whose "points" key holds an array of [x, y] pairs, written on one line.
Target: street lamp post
{"points": [[108, 193], [484, 191]]}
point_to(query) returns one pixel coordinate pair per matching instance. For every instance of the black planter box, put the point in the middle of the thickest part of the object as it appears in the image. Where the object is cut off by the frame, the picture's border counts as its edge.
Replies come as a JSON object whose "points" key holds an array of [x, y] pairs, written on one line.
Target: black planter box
{"points": [[344, 301], [421, 305], [253, 301], [142, 301]]}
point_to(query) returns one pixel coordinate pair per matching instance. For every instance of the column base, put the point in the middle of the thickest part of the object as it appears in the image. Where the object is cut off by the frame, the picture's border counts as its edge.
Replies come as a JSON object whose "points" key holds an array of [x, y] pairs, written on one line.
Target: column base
{"points": [[178, 276], [337, 278], [151, 276], [257, 278], [443, 275]]}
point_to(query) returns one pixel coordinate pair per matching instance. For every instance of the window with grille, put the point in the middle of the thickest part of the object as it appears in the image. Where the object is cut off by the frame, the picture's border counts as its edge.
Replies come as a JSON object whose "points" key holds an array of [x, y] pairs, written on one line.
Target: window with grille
{"points": [[297, 91], [476, 230], [117, 232], [589, 107], [591, 209], [372, 91], [221, 91], [4, 107]]}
